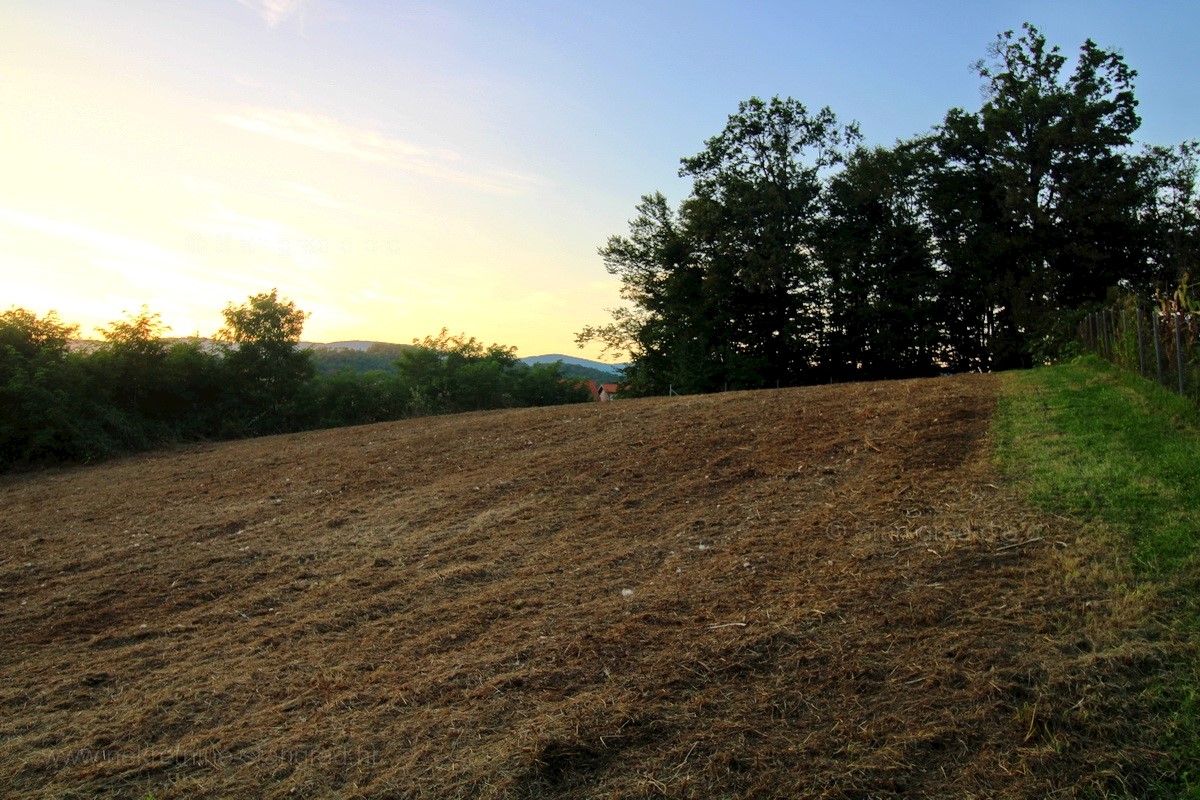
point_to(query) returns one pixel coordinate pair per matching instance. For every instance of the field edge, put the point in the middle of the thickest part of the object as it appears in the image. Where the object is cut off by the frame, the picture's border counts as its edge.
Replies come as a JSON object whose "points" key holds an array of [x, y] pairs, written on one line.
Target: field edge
{"points": [[1089, 442]]}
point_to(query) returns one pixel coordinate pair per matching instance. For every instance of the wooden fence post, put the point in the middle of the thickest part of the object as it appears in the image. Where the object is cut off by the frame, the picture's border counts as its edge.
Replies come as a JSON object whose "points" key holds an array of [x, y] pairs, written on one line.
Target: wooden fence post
{"points": [[1104, 333], [1141, 345], [1158, 348], [1112, 336], [1120, 338], [1179, 349]]}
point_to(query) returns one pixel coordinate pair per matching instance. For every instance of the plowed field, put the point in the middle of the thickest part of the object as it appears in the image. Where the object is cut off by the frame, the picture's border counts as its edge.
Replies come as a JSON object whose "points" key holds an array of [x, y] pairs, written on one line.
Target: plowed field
{"points": [[821, 592]]}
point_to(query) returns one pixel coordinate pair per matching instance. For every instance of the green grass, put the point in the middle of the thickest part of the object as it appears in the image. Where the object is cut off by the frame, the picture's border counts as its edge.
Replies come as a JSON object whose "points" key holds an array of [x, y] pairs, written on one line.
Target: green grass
{"points": [[1089, 441], [1100, 444]]}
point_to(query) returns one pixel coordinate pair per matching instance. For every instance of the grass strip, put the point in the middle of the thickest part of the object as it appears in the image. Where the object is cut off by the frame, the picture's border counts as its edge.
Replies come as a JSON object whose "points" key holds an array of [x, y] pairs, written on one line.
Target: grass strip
{"points": [[1103, 446]]}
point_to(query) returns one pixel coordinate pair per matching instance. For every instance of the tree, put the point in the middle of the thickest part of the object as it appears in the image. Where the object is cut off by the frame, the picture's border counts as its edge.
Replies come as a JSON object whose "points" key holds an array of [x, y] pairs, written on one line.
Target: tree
{"points": [[667, 330], [753, 215], [263, 321], [192, 392], [266, 367], [132, 363], [1050, 152], [350, 398], [41, 386], [453, 373], [545, 385], [725, 292], [973, 247], [876, 252], [24, 336], [1170, 215], [146, 391], [448, 374], [962, 205]]}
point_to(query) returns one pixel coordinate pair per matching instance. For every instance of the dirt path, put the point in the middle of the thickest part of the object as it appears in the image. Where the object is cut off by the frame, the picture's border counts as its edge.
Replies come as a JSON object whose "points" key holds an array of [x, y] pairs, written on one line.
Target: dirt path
{"points": [[802, 593]]}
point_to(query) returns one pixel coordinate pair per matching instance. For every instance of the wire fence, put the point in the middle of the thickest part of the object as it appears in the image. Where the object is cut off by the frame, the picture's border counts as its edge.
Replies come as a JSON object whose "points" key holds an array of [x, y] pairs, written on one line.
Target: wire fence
{"points": [[1160, 342]]}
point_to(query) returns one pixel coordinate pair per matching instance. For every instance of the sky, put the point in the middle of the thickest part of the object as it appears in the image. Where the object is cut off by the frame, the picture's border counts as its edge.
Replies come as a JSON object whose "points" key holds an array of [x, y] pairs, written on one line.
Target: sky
{"points": [[396, 168]]}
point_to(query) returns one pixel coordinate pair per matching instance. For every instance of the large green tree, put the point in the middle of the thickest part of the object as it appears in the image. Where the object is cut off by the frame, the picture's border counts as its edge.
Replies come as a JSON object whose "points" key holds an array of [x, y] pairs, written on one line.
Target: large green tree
{"points": [[132, 363], [725, 292], [881, 282], [962, 203], [972, 247], [666, 331], [165, 390], [753, 215], [1170, 215], [267, 369], [1057, 225], [41, 389]]}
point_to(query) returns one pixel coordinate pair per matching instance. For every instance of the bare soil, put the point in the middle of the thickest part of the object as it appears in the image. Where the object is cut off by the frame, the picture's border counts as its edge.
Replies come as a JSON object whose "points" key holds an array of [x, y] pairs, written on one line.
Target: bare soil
{"points": [[821, 592]]}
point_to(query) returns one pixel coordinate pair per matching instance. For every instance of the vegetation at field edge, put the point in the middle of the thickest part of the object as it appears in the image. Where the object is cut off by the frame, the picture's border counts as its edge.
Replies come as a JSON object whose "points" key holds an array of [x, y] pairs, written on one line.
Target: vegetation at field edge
{"points": [[137, 391], [1091, 441]]}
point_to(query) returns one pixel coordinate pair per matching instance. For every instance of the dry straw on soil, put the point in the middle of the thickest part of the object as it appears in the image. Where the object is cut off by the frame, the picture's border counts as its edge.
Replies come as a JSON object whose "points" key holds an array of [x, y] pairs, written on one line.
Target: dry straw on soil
{"points": [[802, 593]]}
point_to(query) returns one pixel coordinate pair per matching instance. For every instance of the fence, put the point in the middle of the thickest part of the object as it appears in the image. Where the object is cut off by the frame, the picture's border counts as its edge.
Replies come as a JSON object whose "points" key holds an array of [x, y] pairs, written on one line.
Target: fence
{"points": [[1159, 342]]}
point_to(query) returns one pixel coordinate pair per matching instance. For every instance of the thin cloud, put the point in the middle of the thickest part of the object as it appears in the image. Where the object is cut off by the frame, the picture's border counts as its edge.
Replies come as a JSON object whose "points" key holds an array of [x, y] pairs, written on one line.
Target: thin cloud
{"points": [[314, 196], [248, 82], [518, 178], [224, 232], [275, 12], [332, 136], [541, 300], [127, 247], [325, 134], [425, 288], [135, 259]]}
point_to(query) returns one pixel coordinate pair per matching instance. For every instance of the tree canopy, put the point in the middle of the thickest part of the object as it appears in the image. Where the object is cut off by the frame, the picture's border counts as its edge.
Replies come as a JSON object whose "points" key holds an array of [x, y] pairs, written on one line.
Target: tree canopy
{"points": [[801, 256], [268, 369], [137, 390]]}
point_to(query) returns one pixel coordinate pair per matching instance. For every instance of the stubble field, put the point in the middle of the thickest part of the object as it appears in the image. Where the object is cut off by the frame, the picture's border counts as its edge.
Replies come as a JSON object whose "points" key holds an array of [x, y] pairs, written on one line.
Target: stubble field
{"points": [[823, 592]]}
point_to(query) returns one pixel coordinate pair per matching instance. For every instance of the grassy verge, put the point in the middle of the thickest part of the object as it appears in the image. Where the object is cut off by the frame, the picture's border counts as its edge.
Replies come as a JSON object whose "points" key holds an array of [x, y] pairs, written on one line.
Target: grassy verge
{"points": [[1105, 447]]}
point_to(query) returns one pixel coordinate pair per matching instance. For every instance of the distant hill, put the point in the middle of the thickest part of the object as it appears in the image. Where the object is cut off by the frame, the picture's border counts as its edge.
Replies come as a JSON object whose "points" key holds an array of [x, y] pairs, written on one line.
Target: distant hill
{"points": [[575, 367], [358, 345], [365, 356], [360, 356]]}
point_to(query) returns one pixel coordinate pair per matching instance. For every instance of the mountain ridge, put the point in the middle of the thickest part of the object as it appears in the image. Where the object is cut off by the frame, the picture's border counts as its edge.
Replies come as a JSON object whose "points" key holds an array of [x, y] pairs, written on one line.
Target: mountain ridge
{"points": [[365, 346]]}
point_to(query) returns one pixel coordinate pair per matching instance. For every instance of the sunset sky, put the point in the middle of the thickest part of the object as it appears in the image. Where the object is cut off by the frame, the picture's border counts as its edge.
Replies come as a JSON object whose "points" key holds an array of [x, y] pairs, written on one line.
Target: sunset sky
{"points": [[395, 167]]}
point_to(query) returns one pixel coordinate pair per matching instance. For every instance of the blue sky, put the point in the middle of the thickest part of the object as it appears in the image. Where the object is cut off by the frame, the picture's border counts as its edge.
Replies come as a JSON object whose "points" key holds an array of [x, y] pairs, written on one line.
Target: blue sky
{"points": [[397, 167]]}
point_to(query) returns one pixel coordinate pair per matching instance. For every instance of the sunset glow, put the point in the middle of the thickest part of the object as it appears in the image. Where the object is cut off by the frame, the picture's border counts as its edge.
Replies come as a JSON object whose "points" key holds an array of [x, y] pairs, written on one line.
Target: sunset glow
{"points": [[398, 168]]}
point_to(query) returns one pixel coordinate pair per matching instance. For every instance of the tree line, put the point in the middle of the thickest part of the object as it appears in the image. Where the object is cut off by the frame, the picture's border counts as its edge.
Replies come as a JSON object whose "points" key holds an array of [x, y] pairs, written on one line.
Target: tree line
{"points": [[803, 256], [137, 390]]}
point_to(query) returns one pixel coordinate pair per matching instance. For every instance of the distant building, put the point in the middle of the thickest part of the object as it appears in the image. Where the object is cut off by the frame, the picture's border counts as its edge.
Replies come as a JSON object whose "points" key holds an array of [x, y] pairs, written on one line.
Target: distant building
{"points": [[603, 392]]}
